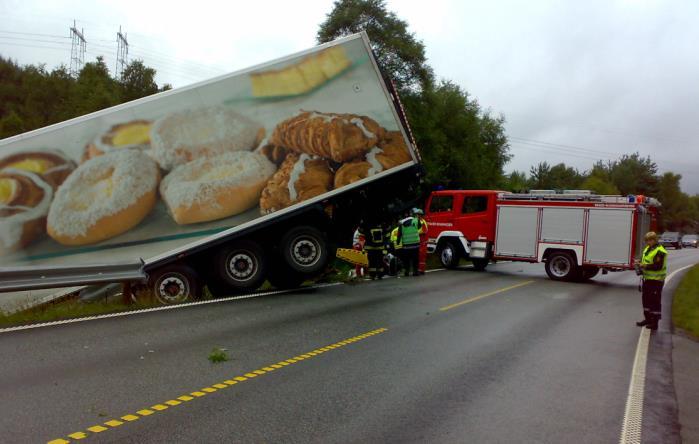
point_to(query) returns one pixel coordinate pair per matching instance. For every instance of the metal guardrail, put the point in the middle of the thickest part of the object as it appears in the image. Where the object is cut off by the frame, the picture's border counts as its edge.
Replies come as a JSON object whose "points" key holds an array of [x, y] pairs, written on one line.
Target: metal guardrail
{"points": [[33, 278]]}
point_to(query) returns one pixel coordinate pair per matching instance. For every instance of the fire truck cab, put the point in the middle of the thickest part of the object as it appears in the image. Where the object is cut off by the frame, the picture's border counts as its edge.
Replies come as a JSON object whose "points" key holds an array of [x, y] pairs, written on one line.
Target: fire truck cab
{"points": [[575, 233]]}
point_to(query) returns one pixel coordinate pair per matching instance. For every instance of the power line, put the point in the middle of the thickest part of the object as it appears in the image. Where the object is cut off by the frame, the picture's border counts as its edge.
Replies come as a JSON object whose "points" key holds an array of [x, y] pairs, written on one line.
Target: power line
{"points": [[35, 34]]}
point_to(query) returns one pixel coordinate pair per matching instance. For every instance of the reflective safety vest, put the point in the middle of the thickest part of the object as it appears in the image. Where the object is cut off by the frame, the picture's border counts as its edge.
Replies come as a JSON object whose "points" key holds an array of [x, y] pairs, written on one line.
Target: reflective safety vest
{"points": [[410, 231], [394, 239], [648, 258], [375, 240]]}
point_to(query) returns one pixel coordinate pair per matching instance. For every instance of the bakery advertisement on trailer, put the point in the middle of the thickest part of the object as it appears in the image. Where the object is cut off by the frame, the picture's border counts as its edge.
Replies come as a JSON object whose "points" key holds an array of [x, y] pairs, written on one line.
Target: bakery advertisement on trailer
{"points": [[157, 174]]}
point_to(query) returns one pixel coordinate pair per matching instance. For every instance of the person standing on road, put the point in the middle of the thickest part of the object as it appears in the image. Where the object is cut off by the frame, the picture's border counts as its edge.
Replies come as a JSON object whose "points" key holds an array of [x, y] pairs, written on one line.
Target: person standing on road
{"points": [[422, 255], [654, 269], [409, 236], [375, 245], [358, 244]]}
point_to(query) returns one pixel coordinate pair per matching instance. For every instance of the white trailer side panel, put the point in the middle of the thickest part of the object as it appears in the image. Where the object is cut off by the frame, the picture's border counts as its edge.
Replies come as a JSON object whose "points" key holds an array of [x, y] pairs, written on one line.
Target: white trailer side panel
{"points": [[562, 225], [517, 231], [609, 235]]}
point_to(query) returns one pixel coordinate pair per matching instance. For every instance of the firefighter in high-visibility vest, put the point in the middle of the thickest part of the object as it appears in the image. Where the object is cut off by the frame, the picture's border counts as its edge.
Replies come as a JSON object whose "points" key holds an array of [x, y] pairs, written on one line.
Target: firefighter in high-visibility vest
{"points": [[375, 247], [409, 237], [422, 255], [654, 269]]}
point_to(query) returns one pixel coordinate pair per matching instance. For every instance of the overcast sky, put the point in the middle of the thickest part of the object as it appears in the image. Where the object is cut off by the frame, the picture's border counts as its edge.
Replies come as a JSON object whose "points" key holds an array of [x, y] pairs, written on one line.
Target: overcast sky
{"points": [[576, 81]]}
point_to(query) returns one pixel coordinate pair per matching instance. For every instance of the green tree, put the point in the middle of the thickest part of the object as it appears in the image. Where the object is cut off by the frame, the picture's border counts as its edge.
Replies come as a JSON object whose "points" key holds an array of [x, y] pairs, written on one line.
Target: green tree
{"points": [[633, 174], [400, 54], [137, 81], [516, 182], [599, 185]]}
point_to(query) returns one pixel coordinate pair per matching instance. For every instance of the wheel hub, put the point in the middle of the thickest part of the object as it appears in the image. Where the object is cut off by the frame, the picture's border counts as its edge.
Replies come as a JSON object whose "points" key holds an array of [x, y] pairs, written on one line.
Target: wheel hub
{"points": [[305, 252], [241, 266], [447, 256], [173, 289], [560, 266]]}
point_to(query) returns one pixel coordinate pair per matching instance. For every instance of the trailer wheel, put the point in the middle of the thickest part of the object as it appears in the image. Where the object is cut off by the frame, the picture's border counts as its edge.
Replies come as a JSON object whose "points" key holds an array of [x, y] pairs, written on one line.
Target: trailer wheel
{"points": [[479, 264], [561, 266], [175, 284], [305, 249], [282, 277], [240, 266], [449, 255]]}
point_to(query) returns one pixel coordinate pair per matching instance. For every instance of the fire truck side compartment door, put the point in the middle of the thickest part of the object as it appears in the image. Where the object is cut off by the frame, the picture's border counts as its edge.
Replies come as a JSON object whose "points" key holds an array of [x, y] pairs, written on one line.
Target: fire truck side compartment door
{"points": [[609, 234], [516, 231], [562, 225]]}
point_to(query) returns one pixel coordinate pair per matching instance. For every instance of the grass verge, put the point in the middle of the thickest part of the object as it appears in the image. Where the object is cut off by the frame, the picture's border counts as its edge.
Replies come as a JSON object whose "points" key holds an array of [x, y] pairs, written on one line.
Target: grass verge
{"points": [[685, 303], [64, 310]]}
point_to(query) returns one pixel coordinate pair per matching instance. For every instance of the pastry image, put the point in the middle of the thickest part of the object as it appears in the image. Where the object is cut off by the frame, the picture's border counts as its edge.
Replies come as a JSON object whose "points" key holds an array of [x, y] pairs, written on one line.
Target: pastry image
{"points": [[104, 197], [299, 178], [337, 137], [52, 166], [301, 77], [390, 153], [188, 135], [134, 134], [275, 154], [217, 187], [24, 203]]}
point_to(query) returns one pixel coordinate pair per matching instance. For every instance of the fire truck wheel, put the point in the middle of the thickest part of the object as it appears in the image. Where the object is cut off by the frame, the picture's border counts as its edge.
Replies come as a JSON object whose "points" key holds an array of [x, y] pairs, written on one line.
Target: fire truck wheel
{"points": [[241, 266], [305, 249], [561, 267], [175, 284], [449, 256], [588, 273], [479, 264]]}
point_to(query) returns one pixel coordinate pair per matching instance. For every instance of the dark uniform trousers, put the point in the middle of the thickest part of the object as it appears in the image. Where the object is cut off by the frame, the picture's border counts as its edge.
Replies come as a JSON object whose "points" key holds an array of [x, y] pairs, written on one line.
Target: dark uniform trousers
{"points": [[652, 295], [375, 257], [411, 256]]}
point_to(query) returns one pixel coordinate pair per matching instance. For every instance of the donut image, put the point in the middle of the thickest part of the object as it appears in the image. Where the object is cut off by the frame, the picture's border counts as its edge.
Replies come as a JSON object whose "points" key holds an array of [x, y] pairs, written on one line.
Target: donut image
{"points": [[133, 135], [51, 165], [24, 203], [189, 135], [217, 187], [105, 196]]}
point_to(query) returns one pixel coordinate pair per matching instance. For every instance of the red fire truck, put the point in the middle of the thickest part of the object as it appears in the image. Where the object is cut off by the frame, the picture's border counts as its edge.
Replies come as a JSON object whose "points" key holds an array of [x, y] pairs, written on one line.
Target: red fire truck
{"points": [[575, 233]]}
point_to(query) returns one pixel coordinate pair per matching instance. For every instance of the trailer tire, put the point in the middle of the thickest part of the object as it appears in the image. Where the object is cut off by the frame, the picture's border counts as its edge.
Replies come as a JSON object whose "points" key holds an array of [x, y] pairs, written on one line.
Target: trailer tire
{"points": [[561, 266], [175, 284], [242, 266], [305, 250], [282, 277], [449, 255], [480, 264]]}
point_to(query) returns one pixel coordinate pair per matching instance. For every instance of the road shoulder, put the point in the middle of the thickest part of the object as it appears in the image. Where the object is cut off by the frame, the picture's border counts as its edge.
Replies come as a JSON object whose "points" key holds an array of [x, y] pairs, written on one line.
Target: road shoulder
{"points": [[685, 357]]}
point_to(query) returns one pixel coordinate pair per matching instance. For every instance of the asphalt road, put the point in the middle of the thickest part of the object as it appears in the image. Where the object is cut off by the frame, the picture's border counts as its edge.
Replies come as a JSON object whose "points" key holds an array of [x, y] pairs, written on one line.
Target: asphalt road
{"points": [[454, 356]]}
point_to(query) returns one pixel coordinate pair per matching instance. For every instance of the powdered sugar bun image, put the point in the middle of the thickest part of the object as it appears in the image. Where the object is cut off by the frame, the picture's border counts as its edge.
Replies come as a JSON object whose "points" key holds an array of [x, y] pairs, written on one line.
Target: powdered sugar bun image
{"points": [[189, 135], [217, 187], [104, 197], [129, 135], [51, 165], [24, 203]]}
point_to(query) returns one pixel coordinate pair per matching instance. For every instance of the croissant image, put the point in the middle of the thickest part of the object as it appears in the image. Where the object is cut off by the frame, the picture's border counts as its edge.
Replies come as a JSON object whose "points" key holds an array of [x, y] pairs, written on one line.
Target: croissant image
{"points": [[332, 136]]}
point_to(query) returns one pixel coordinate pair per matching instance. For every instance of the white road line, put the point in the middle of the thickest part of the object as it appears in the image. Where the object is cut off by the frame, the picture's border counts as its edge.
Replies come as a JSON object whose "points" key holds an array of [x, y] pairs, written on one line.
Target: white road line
{"points": [[162, 308], [633, 415]]}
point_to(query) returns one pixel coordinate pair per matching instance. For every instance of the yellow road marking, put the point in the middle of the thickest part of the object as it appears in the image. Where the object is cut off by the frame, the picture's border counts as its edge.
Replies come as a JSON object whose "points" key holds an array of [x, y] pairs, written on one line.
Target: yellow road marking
{"points": [[485, 295], [97, 429], [203, 392]]}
